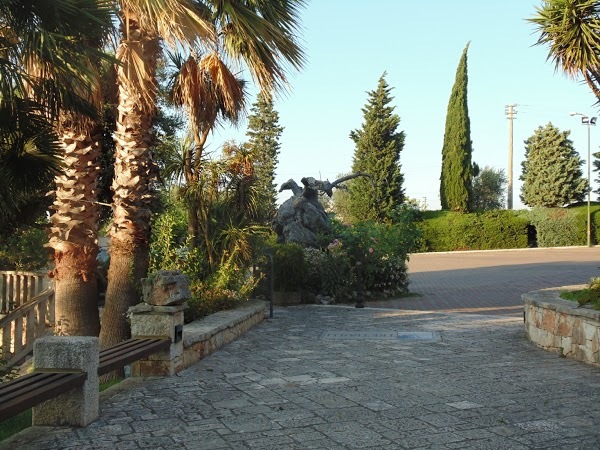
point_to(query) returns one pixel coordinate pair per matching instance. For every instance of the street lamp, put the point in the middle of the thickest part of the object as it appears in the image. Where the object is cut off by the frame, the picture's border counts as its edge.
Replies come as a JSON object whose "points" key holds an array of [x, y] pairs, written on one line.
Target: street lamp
{"points": [[588, 121]]}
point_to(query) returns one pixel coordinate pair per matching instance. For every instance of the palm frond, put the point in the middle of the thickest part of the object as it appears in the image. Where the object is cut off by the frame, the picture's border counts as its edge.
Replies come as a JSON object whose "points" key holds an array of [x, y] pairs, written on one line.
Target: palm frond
{"points": [[571, 29], [263, 35]]}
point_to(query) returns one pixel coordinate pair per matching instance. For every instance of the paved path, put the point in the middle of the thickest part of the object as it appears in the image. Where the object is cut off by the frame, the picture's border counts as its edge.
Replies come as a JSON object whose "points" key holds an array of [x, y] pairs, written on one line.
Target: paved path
{"points": [[491, 282], [332, 377]]}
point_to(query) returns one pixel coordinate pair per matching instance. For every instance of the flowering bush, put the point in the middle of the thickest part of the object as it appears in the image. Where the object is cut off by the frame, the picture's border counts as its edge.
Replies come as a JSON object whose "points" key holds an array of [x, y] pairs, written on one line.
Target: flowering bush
{"points": [[329, 272], [365, 257]]}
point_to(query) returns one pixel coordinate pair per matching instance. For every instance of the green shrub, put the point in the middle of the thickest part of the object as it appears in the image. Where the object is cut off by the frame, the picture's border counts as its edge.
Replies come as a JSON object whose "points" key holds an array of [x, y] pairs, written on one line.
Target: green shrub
{"points": [[329, 273], [376, 253], [558, 227], [24, 250], [450, 231]]}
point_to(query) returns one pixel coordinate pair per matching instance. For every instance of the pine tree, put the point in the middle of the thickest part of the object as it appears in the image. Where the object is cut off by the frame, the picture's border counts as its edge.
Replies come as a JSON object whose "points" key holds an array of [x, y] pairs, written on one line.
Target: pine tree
{"points": [[456, 176], [377, 152], [263, 133], [552, 174]]}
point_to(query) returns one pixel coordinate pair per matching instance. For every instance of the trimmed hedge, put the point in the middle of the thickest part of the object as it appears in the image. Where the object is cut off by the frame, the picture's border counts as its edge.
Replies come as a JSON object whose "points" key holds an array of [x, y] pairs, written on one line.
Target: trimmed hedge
{"points": [[560, 227], [449, 231], [501, 229]]}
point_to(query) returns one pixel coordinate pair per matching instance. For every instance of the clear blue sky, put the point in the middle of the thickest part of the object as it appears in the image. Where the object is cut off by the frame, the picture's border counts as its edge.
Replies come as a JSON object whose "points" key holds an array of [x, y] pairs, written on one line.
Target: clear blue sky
{"points": [[349, 44]]}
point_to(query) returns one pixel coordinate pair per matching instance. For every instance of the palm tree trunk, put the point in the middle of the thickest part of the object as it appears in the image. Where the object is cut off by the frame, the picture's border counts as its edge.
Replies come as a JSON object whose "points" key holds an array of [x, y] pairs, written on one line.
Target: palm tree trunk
{"points": [[74, 235], [130, 232]]}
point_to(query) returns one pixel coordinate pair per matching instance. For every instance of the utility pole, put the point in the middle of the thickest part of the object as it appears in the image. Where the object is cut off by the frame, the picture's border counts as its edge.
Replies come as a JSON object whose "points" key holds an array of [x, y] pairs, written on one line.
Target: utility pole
{"points": [[510, 111]]}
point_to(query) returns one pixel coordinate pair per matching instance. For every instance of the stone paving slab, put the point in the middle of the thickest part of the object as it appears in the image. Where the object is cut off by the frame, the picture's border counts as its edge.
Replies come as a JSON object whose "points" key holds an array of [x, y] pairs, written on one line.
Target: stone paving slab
{"points": [[481, 386]]}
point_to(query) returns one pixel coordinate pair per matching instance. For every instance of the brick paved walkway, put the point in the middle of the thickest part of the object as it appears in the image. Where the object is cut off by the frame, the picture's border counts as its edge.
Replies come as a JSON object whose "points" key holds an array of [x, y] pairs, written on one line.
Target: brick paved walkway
{"points": [[491, 282], [481, 385]]}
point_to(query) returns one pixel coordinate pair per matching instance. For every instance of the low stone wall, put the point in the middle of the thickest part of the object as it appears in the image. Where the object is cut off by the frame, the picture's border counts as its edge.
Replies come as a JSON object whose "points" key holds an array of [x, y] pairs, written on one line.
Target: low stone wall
{"points": [[560, 326], [203, 337]]}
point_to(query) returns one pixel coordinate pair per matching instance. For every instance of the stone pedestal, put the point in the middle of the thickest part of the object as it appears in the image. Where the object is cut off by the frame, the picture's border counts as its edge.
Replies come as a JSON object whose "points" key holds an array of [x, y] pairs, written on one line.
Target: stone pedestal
{"points": [[80, 405], [160, 322]]}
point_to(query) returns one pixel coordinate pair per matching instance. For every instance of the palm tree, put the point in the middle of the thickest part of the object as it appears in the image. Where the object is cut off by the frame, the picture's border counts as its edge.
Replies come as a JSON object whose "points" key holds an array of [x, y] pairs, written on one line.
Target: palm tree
{"points": [[571, 28], [142, 25], [209, 92], [53, 86], [262, 34], [39, 75]]}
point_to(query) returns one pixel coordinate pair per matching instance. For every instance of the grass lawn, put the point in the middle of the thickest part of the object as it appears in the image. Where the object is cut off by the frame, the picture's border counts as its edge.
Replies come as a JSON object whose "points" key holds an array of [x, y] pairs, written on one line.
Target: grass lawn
{"points": [[583, 297]]}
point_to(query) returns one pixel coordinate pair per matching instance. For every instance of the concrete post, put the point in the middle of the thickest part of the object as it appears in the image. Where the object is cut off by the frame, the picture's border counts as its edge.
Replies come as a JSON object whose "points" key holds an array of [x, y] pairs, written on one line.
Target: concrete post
{"points": [[161, 316], [79, 406], [161, 322]]}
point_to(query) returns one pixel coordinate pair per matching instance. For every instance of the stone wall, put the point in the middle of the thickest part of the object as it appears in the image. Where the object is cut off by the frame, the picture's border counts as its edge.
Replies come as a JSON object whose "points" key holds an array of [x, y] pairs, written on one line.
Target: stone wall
{"points": [[560, 326], [203, 337]]}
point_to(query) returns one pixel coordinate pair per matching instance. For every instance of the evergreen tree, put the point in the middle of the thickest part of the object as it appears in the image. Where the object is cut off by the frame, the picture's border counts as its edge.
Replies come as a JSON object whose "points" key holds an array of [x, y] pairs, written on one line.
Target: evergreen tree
{"points": [[597, 169], [488, 189], [552, 175], [456, 176], [264, 132], [377, 152]]}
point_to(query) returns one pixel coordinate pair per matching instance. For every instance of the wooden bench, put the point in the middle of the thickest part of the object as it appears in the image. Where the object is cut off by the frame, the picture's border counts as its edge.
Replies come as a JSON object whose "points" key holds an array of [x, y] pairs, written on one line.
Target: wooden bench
{"points": [[30, 390]]}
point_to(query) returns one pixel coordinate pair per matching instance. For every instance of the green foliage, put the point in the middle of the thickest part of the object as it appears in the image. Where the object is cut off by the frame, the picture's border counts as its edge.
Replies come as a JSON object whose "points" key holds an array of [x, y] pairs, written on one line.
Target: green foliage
{"points": [[456, 176], [377, 153], [597, 169], [23, 249], [488, 189], [15, 424], [369, 256], [329, 272], [264, 133], [213, 288], [587, 296], [557, 227], [449, 231], [289, 267], [570, 29], [551, 175]]}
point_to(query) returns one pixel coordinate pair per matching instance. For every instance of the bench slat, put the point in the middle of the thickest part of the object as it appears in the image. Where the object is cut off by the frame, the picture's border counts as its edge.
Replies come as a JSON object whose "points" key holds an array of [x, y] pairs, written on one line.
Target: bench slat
{"points": [[50, 386], [30, 390], [111, 359]]}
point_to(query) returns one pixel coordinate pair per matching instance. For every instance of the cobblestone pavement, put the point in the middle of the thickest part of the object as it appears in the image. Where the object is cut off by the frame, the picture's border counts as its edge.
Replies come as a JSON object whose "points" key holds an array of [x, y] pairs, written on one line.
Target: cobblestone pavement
{"points": [[491, 282], [332, 377]]}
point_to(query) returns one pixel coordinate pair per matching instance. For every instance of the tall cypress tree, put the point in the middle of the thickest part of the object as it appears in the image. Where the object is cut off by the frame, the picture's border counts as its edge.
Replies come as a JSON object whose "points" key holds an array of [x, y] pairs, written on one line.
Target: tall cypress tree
{"points": [[377, 152], [456, 178], [552, 174], [264, 133]]}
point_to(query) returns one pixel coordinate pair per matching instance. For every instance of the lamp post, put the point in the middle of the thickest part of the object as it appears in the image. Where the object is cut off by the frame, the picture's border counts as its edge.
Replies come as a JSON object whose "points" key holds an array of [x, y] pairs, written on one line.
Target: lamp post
{"points": [[589, 121]]}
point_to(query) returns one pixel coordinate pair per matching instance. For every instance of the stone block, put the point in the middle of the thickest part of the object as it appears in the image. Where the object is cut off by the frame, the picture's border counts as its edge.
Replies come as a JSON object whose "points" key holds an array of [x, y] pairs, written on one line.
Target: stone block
{"points": [[548, 340], [166, 287], [80, 405], [567, 345], [152, 369], [549, 321], [578, 332], [590, 330], [583, 353], [157, 322], [190, 357], [565, 325]]}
